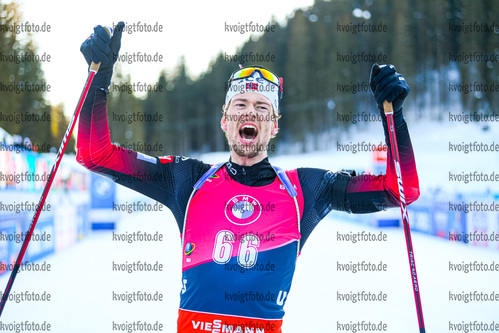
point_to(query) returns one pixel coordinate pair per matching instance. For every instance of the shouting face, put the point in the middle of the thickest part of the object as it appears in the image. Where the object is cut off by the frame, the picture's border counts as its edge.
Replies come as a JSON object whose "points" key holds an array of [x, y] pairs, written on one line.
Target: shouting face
{"points": [[249, 123]]}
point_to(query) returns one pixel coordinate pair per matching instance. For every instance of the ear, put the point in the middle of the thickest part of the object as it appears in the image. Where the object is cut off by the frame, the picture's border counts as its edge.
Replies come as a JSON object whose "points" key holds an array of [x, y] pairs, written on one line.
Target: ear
{"points": [[275, 129], [223, 123]]}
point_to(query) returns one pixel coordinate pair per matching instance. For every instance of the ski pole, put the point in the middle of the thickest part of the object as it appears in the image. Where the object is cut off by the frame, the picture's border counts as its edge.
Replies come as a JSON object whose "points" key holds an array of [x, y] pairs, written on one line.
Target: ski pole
{"points": [[388, 108], [94, 68]]}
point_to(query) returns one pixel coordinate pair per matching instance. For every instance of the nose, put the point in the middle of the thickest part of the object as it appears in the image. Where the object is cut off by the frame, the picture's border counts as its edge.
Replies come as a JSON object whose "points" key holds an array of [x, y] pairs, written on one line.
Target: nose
{"points": [[249, 114]]}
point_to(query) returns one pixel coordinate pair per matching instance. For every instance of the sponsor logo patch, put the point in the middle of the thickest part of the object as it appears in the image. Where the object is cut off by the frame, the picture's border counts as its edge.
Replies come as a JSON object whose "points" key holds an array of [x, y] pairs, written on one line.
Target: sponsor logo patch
{"points": [[243, 209]]}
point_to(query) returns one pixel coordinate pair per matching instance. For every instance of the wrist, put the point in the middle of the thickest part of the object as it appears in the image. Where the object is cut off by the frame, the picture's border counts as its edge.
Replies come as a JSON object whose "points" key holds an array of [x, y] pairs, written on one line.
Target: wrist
{"points": [[102, 79], [398, 118]]}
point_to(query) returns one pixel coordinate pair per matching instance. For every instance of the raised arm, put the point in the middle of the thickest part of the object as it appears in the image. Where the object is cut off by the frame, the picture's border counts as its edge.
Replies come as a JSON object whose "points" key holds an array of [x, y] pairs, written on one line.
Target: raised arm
{"points": [[325, 191], [167, 179], [370, 193], [387, 84], [94, 149]]}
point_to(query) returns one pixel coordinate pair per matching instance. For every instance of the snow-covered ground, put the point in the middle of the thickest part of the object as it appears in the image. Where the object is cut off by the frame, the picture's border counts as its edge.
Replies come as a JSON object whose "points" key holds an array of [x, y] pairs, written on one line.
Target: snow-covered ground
{"points": [[82, 281]]}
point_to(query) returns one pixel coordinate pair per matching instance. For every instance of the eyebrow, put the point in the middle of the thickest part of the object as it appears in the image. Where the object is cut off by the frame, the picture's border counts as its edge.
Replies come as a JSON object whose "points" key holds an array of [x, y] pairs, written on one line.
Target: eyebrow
{"points": [[241, 99]]}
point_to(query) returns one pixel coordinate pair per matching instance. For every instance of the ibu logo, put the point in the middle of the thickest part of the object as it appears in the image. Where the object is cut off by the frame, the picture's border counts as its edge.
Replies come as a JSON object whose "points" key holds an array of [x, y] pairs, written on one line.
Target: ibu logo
{"points": [[243, 209], [189, 248]]}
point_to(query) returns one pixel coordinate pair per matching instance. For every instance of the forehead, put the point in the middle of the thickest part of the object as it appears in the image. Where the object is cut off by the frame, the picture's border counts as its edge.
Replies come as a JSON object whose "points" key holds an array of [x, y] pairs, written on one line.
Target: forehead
{"points": [[251, 97]]}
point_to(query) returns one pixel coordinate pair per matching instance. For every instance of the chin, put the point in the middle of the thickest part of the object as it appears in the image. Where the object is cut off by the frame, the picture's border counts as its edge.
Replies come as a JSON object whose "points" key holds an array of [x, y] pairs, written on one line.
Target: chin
{"points": [[246, 150], [247, 154]]}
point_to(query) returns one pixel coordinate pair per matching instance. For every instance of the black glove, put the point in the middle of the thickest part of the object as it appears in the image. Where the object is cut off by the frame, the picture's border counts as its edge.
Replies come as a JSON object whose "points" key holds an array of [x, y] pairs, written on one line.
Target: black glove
{"points": [[387, 84], [100, 47]]}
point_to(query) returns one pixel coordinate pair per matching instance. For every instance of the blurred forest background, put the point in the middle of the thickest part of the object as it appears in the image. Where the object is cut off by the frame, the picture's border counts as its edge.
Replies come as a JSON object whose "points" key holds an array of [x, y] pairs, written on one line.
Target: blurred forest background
{"points": [[426, 40], [16, 74]]}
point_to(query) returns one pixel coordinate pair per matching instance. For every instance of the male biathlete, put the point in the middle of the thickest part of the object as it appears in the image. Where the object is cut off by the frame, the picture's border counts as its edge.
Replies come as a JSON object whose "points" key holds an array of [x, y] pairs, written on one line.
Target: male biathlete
{"points": [[244, 215]]}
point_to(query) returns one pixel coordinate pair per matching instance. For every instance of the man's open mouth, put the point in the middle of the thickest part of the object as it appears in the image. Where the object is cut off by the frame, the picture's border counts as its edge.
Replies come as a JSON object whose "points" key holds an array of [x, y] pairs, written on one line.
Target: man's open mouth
{"points": [[248, 133]]}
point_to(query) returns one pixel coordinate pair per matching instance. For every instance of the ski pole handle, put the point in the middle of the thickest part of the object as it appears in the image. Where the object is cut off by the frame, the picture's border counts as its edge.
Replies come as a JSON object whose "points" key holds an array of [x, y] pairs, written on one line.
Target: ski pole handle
{"points": [[387, 107], [95, 66]]}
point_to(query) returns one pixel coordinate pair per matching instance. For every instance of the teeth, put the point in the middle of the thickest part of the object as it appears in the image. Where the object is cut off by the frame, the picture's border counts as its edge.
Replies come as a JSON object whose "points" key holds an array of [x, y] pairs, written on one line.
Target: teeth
{"points": [[243, 136]]}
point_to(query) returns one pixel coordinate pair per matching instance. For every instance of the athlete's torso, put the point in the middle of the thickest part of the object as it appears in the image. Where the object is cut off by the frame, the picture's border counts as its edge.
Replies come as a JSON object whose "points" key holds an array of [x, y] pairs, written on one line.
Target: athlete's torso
{"points": [[240, 244]]}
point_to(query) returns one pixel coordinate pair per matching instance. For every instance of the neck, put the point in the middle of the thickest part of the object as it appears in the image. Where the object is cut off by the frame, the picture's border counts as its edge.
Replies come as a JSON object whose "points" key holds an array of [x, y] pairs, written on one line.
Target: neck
{"points": [[246, 161]]}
